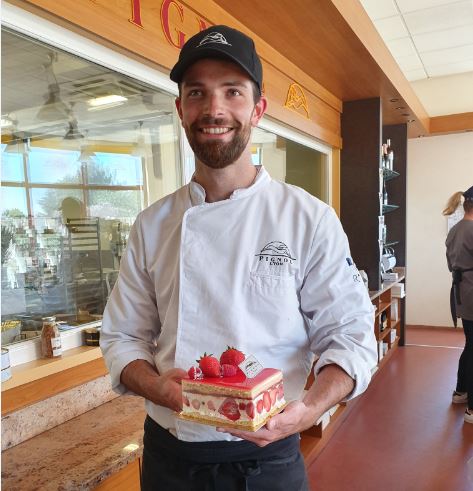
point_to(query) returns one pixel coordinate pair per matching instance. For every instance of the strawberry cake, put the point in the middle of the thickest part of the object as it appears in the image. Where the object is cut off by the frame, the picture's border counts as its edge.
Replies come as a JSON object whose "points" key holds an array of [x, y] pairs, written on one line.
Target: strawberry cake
{"points": [[231, 399]]}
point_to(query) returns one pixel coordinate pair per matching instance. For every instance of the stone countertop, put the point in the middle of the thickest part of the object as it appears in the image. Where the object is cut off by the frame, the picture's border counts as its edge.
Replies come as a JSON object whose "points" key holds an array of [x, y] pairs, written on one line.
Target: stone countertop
{"points": [[78, 454]]}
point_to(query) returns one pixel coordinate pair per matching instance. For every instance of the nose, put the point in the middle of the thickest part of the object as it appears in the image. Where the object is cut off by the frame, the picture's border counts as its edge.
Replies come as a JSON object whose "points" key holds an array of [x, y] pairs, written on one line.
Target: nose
{"points": [[213, 105]]}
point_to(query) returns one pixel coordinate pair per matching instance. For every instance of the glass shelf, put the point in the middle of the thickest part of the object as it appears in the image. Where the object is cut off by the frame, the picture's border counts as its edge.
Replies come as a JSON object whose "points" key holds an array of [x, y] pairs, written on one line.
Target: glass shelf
{"points": [[389, 174], [388, 208]]}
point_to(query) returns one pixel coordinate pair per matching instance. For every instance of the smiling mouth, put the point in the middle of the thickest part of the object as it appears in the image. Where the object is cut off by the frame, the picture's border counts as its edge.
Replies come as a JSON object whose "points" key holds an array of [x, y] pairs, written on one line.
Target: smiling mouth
{"points": [[215, 131]]}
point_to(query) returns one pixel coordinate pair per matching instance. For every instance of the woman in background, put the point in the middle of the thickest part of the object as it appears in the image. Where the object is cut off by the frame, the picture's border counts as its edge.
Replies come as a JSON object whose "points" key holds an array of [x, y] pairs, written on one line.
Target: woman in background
{"points": [[460, 262]]}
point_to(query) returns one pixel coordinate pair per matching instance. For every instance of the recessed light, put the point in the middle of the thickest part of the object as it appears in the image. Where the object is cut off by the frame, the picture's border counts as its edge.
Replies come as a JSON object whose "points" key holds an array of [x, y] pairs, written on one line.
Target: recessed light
{"points": [[106, 100], [394, 100], [411, 120]]}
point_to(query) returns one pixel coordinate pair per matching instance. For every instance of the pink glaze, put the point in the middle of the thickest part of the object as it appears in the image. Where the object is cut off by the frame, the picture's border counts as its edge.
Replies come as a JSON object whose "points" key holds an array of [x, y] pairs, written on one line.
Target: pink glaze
{"points": [[239, 381]]}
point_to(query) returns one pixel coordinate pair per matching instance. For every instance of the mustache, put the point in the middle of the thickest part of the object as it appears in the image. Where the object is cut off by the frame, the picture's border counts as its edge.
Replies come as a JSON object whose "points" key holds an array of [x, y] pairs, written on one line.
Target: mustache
{"points": [[208, 120]]}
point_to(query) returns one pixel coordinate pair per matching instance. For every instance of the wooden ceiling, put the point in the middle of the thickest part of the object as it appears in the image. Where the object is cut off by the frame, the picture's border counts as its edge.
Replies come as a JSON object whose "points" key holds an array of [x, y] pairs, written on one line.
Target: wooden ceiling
{"points": [[336, 44]]}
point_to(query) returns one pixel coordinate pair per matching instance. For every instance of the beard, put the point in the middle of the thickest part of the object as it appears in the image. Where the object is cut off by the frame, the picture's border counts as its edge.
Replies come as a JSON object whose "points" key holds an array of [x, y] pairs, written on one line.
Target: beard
{"points": [[218, 155]]}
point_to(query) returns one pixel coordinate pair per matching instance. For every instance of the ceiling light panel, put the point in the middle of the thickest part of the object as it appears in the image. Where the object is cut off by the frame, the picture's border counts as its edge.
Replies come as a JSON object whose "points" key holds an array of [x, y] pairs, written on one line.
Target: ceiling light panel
{"points": [[391, 28], [440, 18], [379, 9]]}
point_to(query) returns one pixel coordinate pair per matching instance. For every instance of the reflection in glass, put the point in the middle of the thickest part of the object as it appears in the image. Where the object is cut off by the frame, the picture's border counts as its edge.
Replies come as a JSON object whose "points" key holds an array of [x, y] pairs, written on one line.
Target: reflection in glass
{"points": [[84, 150], [12, 166], [291, 162]]}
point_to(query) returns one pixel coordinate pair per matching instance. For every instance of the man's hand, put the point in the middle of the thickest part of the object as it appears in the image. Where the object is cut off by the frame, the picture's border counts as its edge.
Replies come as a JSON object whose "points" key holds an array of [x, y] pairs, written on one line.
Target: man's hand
{"points": [[163, 389], [331, 385], [296, 417]]}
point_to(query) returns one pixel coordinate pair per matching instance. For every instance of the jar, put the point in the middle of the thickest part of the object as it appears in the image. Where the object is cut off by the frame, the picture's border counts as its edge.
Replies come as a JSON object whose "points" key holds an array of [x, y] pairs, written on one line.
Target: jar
{"points": [[50, 338]]}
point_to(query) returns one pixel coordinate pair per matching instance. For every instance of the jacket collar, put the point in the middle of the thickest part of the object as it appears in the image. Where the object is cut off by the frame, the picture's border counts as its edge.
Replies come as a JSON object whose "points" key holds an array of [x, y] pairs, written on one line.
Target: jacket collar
{"points": [[197, 192]]}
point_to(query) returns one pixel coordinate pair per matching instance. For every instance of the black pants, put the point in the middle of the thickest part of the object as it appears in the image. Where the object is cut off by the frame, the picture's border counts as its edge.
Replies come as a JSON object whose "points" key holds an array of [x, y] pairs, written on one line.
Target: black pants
{"points": [[173, 465], [465, 366]]}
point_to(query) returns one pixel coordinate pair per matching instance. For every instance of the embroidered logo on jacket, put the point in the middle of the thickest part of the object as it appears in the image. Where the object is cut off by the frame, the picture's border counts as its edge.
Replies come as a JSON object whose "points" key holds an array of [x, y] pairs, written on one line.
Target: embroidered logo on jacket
{"points": [[276, 253]]}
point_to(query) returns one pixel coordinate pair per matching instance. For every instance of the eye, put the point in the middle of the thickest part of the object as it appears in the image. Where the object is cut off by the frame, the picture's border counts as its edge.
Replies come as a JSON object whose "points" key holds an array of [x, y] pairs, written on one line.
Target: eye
{"points": [[234, 92], [194, 93]]}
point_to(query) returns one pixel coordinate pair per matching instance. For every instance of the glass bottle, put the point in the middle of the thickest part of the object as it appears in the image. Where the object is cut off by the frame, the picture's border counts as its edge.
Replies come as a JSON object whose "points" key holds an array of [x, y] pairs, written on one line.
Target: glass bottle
{"points": [[50, 338]]}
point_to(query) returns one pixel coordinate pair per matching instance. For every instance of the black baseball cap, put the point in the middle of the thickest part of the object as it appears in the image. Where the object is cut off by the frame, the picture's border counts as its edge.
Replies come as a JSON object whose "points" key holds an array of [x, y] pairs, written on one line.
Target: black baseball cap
{"points": [[220, 42], [468, 194]]}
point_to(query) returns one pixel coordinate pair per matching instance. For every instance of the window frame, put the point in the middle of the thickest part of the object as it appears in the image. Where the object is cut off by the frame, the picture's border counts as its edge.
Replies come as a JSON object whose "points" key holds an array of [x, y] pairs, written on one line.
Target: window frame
{"points": [[22, 22]]}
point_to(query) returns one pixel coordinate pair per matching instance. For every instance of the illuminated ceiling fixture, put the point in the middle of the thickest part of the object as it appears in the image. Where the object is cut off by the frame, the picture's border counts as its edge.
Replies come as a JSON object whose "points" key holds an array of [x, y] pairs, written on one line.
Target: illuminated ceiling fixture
{"points": [[139, 150], [54, 108], [106, 102]]}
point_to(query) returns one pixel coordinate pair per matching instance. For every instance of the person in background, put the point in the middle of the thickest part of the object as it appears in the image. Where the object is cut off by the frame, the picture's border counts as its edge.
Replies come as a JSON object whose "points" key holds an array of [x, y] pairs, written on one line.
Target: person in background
{"points": [[459, 245], [234, 258]]}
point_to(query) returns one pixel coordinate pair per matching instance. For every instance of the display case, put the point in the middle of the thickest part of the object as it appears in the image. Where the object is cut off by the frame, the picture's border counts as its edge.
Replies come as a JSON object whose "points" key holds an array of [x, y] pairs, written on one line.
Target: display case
{"points": [[50, 268]]}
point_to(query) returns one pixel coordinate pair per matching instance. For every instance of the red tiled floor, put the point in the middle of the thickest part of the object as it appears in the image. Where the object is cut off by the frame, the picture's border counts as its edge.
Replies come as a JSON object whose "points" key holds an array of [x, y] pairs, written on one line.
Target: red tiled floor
{"points": [[436, 336], [403, 434]]}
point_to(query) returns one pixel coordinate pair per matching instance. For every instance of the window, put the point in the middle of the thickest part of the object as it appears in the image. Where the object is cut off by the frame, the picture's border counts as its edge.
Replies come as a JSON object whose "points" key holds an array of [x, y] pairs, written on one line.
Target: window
{"points": [[83, 152], [292, 162]]}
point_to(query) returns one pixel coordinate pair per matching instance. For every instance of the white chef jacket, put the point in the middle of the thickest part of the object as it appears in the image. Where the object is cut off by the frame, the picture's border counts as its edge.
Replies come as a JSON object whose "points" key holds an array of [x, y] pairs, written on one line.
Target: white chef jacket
{"points": [[267, 271]]}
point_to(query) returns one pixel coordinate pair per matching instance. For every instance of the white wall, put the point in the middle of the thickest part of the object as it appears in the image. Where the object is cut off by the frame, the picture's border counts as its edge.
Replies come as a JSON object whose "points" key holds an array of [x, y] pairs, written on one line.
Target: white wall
{"points": [[437, 167]]}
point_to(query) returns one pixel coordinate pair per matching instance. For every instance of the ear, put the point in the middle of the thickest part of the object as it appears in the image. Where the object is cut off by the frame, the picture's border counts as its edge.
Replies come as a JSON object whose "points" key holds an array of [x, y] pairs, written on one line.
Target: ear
{"points": [[178, 107], [258, 111]]}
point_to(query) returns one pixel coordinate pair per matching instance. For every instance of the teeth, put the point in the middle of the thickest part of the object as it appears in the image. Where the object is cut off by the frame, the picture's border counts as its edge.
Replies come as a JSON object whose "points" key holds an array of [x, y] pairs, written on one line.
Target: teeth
{"points": [[215, 131]]}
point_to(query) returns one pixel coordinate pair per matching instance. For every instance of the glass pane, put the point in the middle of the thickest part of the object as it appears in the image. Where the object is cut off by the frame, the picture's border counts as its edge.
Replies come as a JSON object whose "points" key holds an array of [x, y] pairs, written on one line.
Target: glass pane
{"points": [[95, 143], [115, 204], [13, 202], [115, 169], [55, 202], [12, 166], [291, 162], [51, 165]]}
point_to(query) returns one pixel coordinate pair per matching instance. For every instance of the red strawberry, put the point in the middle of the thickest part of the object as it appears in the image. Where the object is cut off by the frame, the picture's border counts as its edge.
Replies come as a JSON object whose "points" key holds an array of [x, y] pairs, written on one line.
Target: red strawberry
{"points": [[267, 401], [280, 391], [210, 366], [273, 393], [185, 401], [259, 406], [229, 370], [195, 404], [232, 356], [194, 373], [229, 409], [242, 406], [211, 405], [250, 410]]}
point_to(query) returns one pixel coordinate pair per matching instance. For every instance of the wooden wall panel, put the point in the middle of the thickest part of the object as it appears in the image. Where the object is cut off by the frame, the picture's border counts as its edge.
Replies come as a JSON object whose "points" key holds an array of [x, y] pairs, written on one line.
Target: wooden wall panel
{"points": [[453, 123], [158, 41]]}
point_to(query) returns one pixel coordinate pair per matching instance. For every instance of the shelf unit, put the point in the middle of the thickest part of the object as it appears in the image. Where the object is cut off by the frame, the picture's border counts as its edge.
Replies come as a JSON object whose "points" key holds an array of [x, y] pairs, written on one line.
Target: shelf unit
{"points": [[386, 302]]}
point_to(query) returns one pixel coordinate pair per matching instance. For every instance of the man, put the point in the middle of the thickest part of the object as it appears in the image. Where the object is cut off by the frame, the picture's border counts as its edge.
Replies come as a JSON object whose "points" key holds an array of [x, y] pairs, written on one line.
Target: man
{"points": [[234, 258]]}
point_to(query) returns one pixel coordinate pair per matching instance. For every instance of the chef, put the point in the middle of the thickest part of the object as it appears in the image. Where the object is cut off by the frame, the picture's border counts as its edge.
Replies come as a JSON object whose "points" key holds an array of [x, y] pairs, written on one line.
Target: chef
{"points": [[234, 258]]}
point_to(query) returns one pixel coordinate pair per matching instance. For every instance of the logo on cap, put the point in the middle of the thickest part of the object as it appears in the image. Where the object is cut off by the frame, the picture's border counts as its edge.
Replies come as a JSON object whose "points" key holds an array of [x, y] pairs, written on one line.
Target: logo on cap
{"points": [[214, 37]]}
